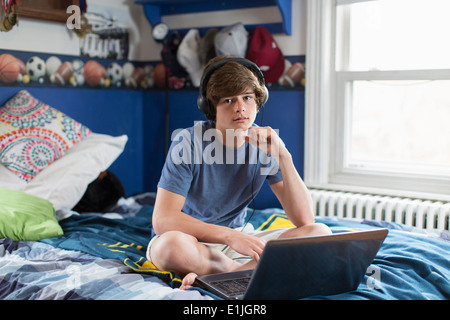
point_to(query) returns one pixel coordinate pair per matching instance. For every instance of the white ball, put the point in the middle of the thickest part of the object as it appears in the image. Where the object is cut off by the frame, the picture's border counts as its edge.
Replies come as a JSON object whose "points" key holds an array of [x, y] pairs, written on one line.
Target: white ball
{"points": [[52, 64], [77, 66], [128, 69], [36, 69]]}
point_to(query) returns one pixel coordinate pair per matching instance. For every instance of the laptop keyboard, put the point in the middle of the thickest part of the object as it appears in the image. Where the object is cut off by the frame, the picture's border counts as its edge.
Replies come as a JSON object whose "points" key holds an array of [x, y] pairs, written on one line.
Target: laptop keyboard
{"points": [[233, 287]]}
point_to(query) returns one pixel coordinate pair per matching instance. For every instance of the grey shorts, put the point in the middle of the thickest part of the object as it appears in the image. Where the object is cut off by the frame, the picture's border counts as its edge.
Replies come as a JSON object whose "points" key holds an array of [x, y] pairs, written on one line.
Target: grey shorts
{"points": [[229, 252]]}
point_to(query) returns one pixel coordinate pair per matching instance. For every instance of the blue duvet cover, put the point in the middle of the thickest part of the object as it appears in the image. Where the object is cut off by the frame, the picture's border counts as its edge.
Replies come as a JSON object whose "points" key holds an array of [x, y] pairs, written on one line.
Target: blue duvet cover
{"points": [[103, 257]]}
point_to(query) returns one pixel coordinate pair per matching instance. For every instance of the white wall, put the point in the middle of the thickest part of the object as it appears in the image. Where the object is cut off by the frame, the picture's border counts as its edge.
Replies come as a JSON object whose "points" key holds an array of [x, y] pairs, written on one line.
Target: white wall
{"points": [[54, 37]]}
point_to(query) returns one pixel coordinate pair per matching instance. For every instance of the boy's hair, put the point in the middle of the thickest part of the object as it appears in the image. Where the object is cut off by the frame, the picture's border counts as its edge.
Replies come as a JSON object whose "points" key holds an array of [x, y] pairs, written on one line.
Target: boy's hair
{"points": [[231, 79]]}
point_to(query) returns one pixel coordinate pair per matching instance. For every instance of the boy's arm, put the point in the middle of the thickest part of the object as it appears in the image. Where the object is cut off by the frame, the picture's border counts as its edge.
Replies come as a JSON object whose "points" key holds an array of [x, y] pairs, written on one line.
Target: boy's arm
{"points": [[291, 191], [167, 216], [294, 197]]}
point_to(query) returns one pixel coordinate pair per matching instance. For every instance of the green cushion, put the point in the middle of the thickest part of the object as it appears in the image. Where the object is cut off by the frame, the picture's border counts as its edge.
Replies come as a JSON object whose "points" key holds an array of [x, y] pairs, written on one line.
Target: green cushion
{"points": [[26, 217]]}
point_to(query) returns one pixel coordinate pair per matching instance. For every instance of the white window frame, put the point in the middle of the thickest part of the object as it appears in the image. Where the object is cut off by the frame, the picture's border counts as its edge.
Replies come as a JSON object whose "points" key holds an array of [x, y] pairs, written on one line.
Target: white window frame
{"points": [[326, 112]]}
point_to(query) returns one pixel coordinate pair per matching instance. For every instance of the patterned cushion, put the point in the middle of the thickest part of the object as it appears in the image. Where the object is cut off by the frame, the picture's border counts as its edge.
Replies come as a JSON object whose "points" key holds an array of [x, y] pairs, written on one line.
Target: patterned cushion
{"points": [[33, 135]]}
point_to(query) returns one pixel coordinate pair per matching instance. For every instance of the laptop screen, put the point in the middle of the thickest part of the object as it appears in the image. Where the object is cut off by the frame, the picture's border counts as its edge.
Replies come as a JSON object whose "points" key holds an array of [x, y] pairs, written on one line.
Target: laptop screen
{"points": [[297, 268]]}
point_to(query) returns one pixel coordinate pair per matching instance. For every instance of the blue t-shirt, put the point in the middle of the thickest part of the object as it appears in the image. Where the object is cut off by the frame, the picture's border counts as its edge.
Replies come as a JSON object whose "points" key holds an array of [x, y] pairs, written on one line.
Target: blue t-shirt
{"points": [[215, 180]]}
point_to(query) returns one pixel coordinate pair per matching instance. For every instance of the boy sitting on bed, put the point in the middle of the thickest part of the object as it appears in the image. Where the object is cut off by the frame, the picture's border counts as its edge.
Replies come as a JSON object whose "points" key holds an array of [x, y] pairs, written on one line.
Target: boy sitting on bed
{"points": [[214, 170]]}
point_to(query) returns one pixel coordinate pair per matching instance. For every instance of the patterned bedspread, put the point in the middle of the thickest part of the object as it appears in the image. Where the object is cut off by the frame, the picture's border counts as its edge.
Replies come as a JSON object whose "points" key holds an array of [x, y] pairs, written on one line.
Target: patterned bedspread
{"points": [[35, 270], [103, 257]]}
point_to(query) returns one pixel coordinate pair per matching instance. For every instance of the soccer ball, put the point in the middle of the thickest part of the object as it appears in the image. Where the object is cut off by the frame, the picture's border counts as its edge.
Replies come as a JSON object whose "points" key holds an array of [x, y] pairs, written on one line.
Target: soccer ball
{"points": [[36, 69], [115, 74], [77, 78]]}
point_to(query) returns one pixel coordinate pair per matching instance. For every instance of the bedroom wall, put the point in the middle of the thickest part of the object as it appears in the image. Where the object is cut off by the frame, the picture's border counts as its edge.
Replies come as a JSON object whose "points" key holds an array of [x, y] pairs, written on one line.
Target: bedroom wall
{"points": [[53, 37], [141, 114]]}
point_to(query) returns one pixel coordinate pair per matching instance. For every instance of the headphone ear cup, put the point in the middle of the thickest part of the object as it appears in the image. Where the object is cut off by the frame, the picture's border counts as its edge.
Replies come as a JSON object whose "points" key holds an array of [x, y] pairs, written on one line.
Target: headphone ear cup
{"points": [[203, 104]]}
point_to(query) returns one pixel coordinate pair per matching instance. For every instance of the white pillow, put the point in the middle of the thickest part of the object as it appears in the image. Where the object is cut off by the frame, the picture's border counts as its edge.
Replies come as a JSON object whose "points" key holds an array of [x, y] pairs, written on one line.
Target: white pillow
{"points": [[65, 181]]}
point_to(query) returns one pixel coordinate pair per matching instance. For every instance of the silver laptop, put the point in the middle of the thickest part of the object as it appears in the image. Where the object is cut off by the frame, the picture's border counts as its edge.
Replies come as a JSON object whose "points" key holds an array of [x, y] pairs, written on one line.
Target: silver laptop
{"points": [[296, 268]]}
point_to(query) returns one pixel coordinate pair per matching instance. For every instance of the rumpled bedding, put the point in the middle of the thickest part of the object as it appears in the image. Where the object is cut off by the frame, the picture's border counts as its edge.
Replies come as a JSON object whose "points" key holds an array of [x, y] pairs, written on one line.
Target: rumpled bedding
{"points": [[38, 271], [102, 257]]}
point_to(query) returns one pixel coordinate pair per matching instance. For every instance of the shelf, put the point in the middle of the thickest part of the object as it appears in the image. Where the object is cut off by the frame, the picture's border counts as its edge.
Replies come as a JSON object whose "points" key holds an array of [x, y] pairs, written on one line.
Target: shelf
{"points": [[155, 9]]}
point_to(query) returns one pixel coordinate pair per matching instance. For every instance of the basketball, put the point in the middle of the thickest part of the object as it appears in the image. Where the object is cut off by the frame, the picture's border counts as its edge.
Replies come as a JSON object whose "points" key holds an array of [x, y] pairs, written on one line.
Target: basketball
{"points": [[94, 73], [294, 75], [159, 76], [11, 68]]}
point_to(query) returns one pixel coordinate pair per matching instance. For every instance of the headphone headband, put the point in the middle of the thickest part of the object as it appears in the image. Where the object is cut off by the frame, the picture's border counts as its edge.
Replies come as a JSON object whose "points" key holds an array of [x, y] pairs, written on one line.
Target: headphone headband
{"points": [[202, 101]]}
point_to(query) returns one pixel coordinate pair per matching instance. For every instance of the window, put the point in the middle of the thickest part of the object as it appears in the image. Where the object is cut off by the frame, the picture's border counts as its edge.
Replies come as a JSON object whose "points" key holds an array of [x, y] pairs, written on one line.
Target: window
{"points": [[378, 97]]}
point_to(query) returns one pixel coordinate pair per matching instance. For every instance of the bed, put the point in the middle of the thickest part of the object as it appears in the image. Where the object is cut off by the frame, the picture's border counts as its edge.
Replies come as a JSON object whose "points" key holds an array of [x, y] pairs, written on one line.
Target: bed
{"points": [[102, 256], [49, 251]]}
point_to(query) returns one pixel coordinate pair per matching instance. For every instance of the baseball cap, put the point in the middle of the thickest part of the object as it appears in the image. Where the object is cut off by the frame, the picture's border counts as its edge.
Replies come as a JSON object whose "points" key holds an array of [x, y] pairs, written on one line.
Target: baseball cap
{"points": [[207, 50], [265, 53], [188, 56], [232, 40]]}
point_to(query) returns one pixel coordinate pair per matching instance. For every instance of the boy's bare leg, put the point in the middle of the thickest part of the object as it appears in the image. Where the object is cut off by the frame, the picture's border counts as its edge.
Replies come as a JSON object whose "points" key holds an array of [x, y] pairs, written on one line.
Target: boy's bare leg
{"points": [[307, 230], [313, 229], [182, 253]]}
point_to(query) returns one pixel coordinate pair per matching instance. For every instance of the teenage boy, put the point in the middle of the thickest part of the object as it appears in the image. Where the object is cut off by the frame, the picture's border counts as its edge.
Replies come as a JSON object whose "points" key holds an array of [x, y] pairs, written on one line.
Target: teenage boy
{"points": [[213, 171]]}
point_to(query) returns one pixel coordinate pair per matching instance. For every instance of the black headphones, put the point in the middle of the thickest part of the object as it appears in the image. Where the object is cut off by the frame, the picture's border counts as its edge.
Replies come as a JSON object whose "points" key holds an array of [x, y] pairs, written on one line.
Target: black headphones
{"points": [[202, 101]]}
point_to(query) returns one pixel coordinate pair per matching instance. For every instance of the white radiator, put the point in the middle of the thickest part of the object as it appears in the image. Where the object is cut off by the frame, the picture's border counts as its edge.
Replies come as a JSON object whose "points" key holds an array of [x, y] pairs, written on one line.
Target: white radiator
{"points": [[421, 214]]}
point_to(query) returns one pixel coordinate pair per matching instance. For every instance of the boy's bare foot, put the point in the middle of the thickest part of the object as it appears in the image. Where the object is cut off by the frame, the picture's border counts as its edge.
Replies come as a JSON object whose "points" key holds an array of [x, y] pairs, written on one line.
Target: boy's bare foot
{"points": [[188, 281]]}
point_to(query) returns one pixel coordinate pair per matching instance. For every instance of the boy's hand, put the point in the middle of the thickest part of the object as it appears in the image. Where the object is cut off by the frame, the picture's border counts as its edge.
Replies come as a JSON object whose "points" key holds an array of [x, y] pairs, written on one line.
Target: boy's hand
{"points": [[266, 139], [247, 245]]}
